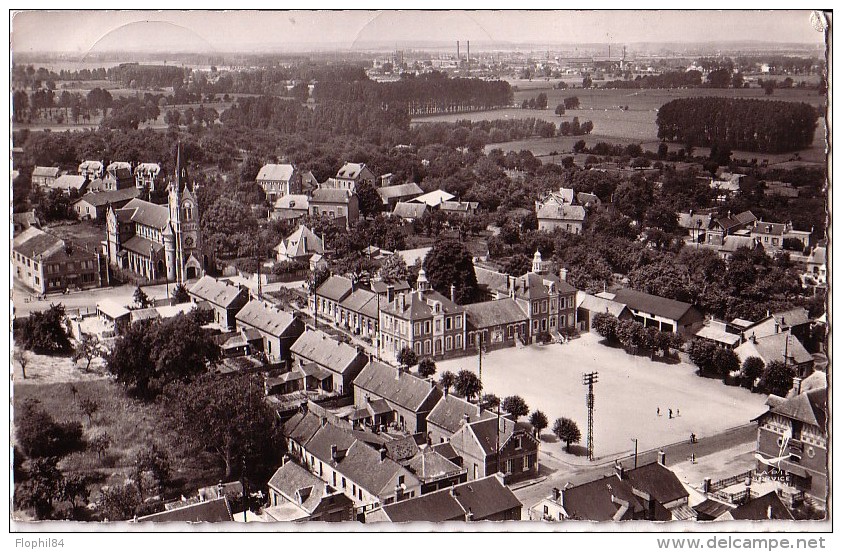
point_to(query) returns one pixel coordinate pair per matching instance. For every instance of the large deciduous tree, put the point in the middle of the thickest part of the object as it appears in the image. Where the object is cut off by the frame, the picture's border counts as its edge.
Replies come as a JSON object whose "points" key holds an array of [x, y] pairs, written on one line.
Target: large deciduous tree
{"points": [[450, 264], [468, 384], [776, 379], [44, 331]]}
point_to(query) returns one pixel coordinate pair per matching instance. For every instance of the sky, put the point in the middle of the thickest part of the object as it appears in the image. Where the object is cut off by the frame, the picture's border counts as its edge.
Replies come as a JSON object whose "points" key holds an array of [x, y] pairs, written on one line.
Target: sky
{"points": [[226, 31]]}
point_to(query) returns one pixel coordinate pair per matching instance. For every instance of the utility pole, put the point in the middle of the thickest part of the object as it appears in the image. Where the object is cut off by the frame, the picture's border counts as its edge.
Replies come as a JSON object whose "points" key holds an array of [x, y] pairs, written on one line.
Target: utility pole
{"points": [[479, 350], [635, 452], [589, 380]]}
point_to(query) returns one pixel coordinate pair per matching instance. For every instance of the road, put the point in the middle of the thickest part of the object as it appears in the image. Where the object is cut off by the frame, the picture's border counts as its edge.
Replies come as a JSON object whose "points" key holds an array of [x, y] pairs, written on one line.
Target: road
{"points": [[559, 471], [86, 299]]}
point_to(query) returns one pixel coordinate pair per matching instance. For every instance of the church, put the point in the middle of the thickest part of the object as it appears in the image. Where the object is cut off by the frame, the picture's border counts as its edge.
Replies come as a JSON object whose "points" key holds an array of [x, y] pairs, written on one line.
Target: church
{"points": [[159, 241]]}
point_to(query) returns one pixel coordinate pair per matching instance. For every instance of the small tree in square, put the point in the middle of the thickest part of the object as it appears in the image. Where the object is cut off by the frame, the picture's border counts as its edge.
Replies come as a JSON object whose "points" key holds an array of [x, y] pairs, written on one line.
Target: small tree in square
{"points": [[516, 406], [539, 421], [567, 430], [407, 357], [426, 367]]}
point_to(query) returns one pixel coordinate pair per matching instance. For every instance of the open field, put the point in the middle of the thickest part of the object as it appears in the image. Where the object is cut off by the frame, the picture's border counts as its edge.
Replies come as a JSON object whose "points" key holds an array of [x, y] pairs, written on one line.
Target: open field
{"points": [[629, 391]]}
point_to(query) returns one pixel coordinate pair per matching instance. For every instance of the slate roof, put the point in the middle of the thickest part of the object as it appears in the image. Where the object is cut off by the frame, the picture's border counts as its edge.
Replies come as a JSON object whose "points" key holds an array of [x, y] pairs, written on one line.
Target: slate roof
{"points": [[293, 201], [405, 390], [311, 369], [758, 508], [483, 498], [809, 407], [302, 426], [417, 305], [68, 182], [409, 210], [717, 332], [379, 286], [740, 219], [32, 242], [270, 320], [401, 190], [275, 172], [330, 195], [363, 466], [449, 413], [335, 288], [792, 317], [350, 170], [434, 198], [447, 451], [712, 508], [140, 245], [151, 168], [488, 431], [300, 243], [90, 166], [146, 213], [326, 436], [218, 292], [494, 313], [658, 481], [50, 172], [694, 221], [537, 286], [553, 211], [215, 511], [459, 206], [772, 347], [100, 199], [428, 465], [318, 347], [731, 243], [363, 302], [652, 304], [297, 484], [592, 501]]}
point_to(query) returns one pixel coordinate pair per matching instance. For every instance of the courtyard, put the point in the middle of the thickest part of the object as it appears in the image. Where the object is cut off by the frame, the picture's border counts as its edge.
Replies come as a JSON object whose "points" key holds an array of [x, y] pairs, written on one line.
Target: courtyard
{"points": [[628, 395]]}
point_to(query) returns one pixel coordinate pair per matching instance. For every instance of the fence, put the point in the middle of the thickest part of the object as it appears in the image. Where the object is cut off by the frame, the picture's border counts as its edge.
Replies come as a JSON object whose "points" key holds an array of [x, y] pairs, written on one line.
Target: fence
{"points": [[733, 480]]}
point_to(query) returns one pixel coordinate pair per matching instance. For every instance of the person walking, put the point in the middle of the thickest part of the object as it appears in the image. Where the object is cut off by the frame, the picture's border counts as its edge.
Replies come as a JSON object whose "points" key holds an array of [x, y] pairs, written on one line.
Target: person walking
{"points": [[658, 411], [670, 412], [677, 413]]}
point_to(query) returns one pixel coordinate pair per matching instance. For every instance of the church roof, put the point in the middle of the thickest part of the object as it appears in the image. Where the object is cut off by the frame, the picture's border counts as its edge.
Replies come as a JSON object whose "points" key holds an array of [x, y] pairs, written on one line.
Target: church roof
{"points": [[147, 214]]}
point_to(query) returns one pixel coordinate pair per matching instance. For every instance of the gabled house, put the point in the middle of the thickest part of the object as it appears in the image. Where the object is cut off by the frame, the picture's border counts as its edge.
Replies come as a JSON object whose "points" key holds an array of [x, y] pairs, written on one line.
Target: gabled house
{"points": [[94, 205], [817, 265], [278, 328], [291, 207], [425, 321], [462, 208], [409, 211], [450, 414], [695, 224], [330, 294], [564, 209], [588, 306], [729, 225], [91, 169], [657, 484], [340, 205], [118, 176], [783, 347], [410, 398], [667, 315], [359, 313], [486, 499], [351, 174], [47, 264], [377, 478], [496, 324], [295, 494], [763, 508], [344, 362], [796, 320], [299, 429], [146, 175], [434, 471], [70, 184], [392, 195], [223, 297], [792, 438], [433, 199], [497, 444], [301, 245], [45, 176], [278, 180]]}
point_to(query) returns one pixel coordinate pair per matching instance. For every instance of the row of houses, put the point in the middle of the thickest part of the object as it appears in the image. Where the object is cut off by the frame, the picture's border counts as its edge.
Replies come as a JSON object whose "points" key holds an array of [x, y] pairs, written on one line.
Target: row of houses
{"points": [[728, 233], [95, 176]]}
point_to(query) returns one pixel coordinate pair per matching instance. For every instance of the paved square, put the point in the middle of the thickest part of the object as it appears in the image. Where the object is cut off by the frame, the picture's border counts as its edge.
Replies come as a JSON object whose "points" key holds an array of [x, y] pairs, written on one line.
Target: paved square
{"points": [[629, 391]]}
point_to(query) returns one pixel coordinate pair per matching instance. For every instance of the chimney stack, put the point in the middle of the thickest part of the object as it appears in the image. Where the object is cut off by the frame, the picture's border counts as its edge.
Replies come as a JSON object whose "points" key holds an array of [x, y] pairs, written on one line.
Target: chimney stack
{"points": [[452, 293], [466, 418], [796, 385], [620, 470], [769, 512], [453, 489], [383, 454], [662, 457], [556, 494], [324, 421], [333, 452], [563, 274]]}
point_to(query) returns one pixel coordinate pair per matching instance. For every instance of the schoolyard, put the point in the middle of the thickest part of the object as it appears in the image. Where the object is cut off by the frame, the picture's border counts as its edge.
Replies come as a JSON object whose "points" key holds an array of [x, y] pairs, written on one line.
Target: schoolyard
{"points": [[627, 396]]}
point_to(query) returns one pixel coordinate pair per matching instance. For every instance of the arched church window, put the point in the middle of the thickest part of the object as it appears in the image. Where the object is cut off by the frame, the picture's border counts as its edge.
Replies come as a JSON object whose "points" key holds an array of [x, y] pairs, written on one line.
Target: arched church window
{"points": [[187, 211]]}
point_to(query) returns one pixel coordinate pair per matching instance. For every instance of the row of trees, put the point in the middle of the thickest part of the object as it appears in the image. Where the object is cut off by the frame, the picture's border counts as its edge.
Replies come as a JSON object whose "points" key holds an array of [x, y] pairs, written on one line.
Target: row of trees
{"points": [[742, 124], [632, 334], [719, 362]]}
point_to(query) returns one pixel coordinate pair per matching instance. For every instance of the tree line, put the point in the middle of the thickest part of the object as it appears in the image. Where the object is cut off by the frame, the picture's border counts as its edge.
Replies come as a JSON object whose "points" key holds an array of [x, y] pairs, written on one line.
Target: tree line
{"points": [[740, 124]]}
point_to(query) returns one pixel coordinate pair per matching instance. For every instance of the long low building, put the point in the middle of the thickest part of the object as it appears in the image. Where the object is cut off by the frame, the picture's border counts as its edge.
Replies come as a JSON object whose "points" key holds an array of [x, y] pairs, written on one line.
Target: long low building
{"points": [[667, 315]]}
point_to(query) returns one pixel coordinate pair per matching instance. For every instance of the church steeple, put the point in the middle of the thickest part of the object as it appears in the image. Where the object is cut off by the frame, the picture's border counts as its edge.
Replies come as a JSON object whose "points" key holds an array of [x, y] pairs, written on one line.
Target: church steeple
{"points": [[180, 181]]}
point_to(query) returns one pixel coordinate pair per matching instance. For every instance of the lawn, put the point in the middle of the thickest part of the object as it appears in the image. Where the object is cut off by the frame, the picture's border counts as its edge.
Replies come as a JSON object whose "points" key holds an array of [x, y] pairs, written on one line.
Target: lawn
{"points": [[629, 391]]}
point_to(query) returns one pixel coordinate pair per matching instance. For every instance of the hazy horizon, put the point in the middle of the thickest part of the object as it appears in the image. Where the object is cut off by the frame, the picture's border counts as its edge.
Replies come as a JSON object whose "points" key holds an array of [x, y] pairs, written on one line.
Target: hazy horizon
{"points": [[104, 32]]}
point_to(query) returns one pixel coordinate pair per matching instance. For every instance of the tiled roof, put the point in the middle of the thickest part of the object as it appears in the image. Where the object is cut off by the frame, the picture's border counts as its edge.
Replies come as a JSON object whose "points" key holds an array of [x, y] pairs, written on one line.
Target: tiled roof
{"points": [[335, 288], [148, 168], [272, 321], [716, 332], [302, 426], [494, 313], [275, 172], [792, 317], [327, 436], [330, 195], [311, 369], [598, 304], [447, 451], [769, 228], [404, 390], [434, 198], [537, 286], [658, 481], [90, 165], [401, 450], [449, 413], [740, 219], [418, 305], [773, 347], [32, 242], [401, 190], [489, 433], [318, 347], [362, 465], [363, 302], [300, 243], [51, 172], [68, 182], [731, 243], [652, 304], [712, 508], [694, 221], [485, 497], [214, 511], [379, 286], [218, 292], [553, 211], [140, 245], [147, 214], [99, 199], [409, 210]]}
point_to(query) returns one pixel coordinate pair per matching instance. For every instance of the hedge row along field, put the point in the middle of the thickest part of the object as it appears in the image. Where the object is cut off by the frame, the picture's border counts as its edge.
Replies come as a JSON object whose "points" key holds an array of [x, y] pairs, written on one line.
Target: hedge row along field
{"points": [[740, 124]]}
